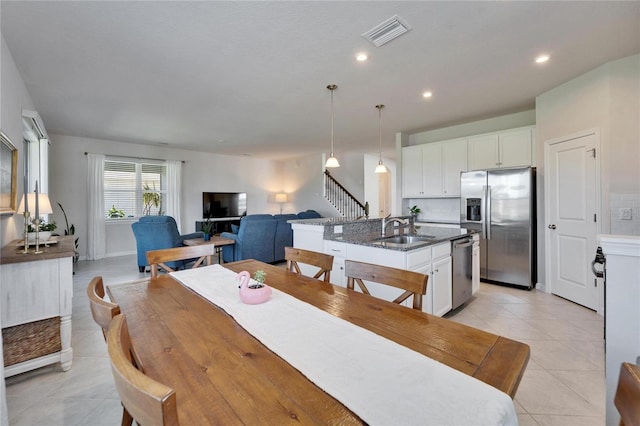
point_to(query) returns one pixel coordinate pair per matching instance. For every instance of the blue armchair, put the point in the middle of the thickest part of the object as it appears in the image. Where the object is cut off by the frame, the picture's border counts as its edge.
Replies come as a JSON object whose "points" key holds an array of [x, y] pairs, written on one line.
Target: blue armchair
{"points": [[284, 235], [262, 237], [158, 232], [254, 239]]}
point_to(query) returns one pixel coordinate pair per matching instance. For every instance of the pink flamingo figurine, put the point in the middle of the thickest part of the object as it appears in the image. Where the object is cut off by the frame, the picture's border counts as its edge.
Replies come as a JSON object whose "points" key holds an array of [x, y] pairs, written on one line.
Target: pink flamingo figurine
{"points": [[254, 294]]}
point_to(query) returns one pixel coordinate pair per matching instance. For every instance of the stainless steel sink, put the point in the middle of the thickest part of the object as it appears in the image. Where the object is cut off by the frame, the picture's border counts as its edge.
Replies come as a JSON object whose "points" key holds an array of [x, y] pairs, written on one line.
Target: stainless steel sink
{"points": [[403, 240]]}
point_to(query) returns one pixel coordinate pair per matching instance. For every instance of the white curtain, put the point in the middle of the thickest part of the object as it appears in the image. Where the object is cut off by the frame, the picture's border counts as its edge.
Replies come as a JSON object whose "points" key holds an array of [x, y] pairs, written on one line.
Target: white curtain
{"points": [[174, 194], [96, 232]]}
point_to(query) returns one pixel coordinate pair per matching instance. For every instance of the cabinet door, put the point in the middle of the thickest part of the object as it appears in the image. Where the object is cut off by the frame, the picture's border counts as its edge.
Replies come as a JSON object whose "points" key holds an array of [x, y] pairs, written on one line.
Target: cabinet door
{"points": [[432, 169], [339, 252], [515, 148], [427, 299], [412, 171], [441, 283], [337, 272], [31, 291], [454, 162], [483, 152]]}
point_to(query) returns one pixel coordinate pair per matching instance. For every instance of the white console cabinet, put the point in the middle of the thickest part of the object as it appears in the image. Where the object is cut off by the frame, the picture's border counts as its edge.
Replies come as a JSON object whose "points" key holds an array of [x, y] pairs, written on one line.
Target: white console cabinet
{"points": [[36, 292], [622, 310]]}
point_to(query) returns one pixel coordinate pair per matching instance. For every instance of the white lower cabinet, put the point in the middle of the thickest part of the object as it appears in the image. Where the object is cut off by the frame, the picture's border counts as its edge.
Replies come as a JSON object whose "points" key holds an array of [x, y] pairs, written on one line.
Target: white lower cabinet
{"points": [[441, 285], [339, 252], [434, 260]]}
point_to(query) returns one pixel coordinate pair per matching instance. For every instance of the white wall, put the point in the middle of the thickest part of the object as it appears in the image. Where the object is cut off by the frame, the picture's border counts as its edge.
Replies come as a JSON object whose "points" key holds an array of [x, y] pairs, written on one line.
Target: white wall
{"points": [[14, 97], [606, 98], [504, 122], [371, 184], [302, 179], [259, 178]]}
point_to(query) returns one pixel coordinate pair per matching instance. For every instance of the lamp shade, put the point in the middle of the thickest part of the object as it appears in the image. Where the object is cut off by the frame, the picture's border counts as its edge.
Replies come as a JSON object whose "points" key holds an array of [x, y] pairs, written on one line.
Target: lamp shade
{"points": [[332, 162], [44, 204], [282, 198], [381, 168]]}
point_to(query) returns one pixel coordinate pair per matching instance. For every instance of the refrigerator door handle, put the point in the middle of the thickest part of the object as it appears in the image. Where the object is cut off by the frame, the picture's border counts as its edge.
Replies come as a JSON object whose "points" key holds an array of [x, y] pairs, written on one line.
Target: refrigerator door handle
{"points": [[487, 214], [484, 211]]}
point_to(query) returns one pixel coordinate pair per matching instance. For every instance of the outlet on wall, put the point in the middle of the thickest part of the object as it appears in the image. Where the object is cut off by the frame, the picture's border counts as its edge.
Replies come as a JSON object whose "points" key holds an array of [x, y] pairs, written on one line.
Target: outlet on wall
{"points": [[624, 213]]}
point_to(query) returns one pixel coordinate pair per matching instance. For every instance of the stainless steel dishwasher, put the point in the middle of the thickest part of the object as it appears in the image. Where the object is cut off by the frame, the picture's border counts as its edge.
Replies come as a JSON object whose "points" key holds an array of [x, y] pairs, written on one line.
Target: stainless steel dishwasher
{"points": [[461, 255]]}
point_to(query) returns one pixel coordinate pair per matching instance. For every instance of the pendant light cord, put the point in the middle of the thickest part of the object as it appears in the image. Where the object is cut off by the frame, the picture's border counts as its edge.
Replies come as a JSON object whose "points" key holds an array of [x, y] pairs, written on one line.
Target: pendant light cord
{"points": [[331, 88], [380, 128]]}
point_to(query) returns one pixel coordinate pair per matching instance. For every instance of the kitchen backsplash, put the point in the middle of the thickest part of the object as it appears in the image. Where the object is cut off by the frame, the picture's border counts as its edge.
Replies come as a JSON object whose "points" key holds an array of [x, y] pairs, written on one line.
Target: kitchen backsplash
{"points": [[625, 214], [437, 209]]}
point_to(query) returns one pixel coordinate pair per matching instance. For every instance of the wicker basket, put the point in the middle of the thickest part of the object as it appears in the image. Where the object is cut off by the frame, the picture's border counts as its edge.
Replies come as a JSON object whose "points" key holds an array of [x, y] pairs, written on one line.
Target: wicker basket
{"points": [[32, 340]]}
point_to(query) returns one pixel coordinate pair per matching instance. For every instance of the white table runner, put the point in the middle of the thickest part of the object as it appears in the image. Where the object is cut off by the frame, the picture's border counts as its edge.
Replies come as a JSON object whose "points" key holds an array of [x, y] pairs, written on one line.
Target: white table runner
{"points": [[383, 382]]}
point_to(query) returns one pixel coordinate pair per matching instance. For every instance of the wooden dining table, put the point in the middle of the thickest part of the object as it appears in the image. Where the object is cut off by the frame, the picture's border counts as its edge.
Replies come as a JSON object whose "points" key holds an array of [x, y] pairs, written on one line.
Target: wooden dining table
{"points": [[222, 375]]}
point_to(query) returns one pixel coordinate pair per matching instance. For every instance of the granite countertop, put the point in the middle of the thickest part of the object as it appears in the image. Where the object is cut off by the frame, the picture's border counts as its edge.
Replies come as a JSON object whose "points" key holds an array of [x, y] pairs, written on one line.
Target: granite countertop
{"points": [[366, 232], [439, 235]]}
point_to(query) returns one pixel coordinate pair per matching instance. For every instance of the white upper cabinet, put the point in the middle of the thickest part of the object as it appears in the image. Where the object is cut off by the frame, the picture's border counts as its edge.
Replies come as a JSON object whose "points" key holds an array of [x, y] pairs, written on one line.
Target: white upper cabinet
{"points": [[433, 170], [454, 159], [511, 148], [412, 179]]}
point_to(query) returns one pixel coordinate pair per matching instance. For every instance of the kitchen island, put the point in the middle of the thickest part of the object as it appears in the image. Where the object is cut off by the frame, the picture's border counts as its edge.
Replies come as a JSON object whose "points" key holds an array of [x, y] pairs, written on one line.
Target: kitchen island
{"points": [[362, 240]]}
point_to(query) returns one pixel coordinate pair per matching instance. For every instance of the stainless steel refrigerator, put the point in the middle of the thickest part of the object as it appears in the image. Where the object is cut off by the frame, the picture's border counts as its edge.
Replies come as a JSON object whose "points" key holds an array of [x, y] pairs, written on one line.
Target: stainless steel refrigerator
{"points": [[500, 204]]}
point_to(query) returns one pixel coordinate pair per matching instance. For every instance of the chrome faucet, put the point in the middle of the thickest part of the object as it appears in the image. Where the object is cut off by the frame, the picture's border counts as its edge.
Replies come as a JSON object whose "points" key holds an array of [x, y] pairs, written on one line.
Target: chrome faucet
{"points": [[388, 220]]}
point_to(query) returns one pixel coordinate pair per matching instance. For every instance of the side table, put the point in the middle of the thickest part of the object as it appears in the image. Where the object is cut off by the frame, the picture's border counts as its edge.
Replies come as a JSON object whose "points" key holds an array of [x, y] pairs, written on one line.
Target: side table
{"points": [[217, 241]]}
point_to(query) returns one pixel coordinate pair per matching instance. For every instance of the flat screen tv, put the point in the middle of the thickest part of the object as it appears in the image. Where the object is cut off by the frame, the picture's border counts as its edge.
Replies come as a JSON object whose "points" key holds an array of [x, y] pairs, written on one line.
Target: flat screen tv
{"points": [[223, 204]]}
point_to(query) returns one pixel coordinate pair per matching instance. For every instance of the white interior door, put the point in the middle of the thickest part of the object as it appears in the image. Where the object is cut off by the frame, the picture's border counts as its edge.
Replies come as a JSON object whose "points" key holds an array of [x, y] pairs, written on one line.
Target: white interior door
{"points": [[571, 218]]}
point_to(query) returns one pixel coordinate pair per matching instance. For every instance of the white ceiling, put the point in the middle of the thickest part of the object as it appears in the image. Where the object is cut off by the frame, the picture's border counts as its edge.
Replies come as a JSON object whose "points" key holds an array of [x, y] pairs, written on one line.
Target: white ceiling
{"points": [[251, 77]]}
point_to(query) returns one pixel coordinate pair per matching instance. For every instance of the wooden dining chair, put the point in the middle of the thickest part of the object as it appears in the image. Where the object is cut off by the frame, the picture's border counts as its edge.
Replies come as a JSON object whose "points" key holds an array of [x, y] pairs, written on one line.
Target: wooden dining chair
{"points": [[627, 398], [320, 260], [414, 283], [157, 258], [149, 402], [102, 310]]}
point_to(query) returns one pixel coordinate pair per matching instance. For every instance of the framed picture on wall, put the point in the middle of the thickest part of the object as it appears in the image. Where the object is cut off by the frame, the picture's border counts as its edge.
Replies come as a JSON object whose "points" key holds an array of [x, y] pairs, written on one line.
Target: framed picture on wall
{"points": [[8, 175]]}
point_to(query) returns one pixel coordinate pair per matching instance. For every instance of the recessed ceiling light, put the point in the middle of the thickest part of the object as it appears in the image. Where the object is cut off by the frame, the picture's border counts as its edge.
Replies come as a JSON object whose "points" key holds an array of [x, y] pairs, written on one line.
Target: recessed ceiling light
{"points": [[361, 57], [427, 94], [542, 59]]}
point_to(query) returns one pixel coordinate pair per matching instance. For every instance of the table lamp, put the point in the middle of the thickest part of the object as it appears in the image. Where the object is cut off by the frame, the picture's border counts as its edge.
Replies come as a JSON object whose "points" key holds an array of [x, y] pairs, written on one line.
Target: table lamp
{"points": [[281, 199]]}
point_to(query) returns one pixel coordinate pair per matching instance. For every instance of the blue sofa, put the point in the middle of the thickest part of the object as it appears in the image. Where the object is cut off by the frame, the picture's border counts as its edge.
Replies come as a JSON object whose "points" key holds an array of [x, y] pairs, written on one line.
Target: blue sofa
{"points": [[158, 232], [263, 237]]}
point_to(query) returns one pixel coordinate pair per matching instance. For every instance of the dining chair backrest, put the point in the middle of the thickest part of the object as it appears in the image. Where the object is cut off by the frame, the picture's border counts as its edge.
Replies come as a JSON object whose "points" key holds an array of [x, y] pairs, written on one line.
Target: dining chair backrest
{"points": [[323, 261], [414, 283], [157, 258], [149, 402], [627, 398], [102, 310]]}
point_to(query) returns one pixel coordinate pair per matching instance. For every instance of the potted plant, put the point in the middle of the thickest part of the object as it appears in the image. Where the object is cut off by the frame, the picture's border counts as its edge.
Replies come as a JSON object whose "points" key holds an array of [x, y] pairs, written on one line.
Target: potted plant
{"points": [[44, 231], [207, 228], [71, 230], [414, 211], [259, 276], [150, 198], [115, 212]]}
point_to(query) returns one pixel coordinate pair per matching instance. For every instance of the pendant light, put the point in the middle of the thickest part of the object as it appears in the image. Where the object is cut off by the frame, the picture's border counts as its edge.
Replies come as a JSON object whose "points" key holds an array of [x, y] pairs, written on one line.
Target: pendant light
{"points": [[332, 161], [381, 168]]}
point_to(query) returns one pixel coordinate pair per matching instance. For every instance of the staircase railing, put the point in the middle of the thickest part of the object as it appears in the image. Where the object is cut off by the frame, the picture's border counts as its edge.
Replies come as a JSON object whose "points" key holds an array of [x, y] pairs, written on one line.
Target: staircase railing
{"points": [[341, 199]]}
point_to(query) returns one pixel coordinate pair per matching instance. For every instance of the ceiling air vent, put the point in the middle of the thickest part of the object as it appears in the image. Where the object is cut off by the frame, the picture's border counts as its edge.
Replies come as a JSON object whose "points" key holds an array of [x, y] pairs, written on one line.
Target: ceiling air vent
{"points": [[387, 31]]}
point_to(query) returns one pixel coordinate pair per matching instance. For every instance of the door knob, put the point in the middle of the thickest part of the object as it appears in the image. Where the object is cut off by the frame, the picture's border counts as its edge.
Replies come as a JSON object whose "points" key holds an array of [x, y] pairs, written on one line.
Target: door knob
{"points": [[552, 226]]}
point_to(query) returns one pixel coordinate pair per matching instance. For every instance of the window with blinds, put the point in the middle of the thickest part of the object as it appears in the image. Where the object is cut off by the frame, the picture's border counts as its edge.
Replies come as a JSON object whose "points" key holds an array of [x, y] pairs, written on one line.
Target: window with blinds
{"points": [[133, 188]]}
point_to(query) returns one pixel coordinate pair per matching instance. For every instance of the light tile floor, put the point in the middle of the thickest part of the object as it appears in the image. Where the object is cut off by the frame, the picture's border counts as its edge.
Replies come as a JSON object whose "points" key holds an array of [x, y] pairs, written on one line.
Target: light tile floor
{"points": [[563, 383]]}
